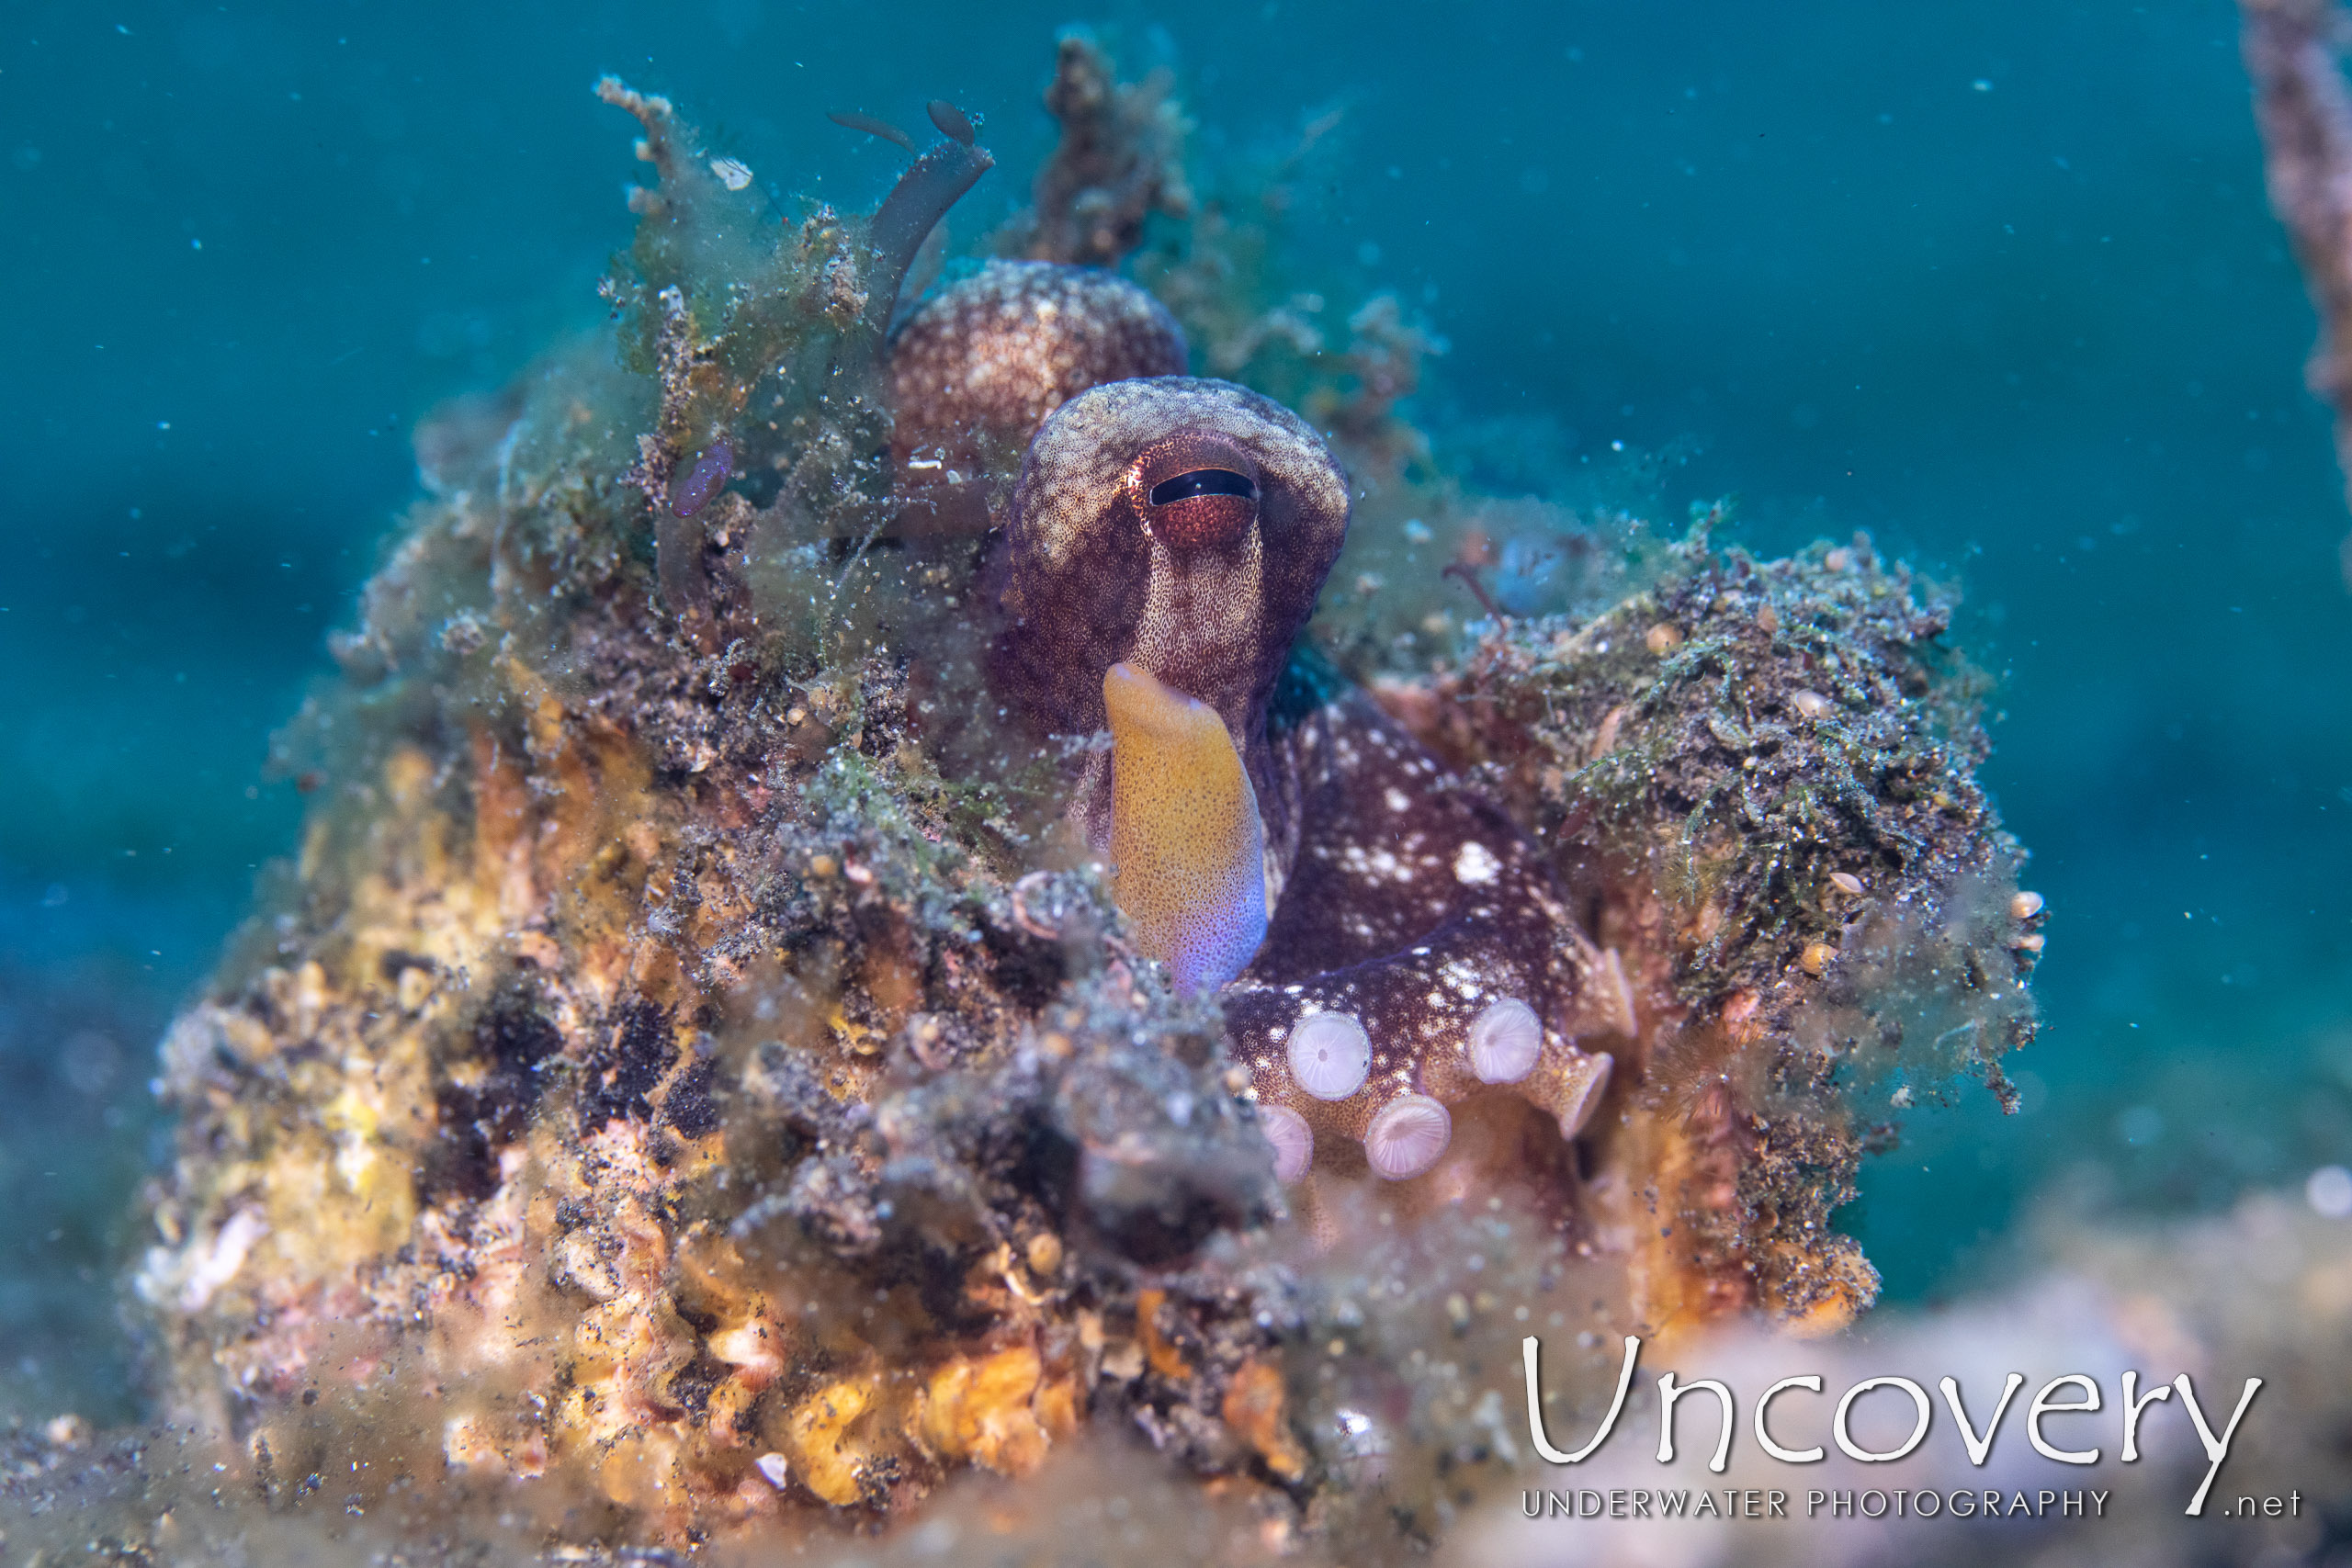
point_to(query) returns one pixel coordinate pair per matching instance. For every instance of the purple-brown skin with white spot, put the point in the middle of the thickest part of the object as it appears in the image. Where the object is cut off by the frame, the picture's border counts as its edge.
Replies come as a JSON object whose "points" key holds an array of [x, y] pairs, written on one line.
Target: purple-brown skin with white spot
{"points": [[1417, 953], [978, 366], [1415, 908]]}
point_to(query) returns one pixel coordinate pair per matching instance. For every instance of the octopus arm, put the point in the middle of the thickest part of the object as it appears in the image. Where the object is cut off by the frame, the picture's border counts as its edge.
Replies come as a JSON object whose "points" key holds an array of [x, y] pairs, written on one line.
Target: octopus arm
{"points": [[1420, 922]]}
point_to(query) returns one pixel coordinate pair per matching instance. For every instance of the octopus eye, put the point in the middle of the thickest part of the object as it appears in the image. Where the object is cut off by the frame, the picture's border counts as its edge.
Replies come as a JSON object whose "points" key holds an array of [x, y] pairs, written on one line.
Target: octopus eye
{"points": [[1195, 490], [1203, 481]]}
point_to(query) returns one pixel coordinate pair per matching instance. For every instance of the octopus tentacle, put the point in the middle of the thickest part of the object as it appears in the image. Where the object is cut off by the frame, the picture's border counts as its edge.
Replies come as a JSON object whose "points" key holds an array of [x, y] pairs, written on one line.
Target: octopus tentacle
{"points": [[1418, 910]]}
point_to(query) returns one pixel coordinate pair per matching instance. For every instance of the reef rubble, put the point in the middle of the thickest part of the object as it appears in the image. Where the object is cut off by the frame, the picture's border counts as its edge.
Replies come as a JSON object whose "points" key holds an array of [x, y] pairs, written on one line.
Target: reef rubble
{"points": [[697, 1081]]}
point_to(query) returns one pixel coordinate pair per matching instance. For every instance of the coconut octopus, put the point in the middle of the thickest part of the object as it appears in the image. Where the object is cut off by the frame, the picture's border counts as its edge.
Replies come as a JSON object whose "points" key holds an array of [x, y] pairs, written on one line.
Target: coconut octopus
{"points": [[1385, 943]]}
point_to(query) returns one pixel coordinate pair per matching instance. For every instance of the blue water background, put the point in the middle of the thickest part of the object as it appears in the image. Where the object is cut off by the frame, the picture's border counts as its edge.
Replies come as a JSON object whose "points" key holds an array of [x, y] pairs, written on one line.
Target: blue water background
{"points": [[1996, 282]]}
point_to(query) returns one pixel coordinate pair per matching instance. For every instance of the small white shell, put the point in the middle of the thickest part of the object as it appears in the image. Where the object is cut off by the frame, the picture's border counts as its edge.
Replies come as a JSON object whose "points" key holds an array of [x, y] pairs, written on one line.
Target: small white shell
{"points": [[1406, 1136], [1329, 1054], [1293, 1139], [1578, 1111], [1505, 1041]]}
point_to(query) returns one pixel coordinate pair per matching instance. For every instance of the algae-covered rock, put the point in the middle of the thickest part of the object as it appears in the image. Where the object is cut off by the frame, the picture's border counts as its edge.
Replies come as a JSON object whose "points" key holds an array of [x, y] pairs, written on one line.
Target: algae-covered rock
{"points": [[694, 1081], [1761, 777]]}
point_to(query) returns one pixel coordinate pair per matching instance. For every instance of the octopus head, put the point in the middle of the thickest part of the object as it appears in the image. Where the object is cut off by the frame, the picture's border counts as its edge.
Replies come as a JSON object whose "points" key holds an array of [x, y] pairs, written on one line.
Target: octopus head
{"points": [[1180, 526], [1168, 538]]}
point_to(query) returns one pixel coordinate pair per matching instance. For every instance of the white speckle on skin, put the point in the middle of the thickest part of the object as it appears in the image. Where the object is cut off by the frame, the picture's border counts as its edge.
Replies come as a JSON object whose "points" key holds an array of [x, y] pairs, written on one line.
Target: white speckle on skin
{"points": [[1396, 800], [1475, 863], [1377, 865]]}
